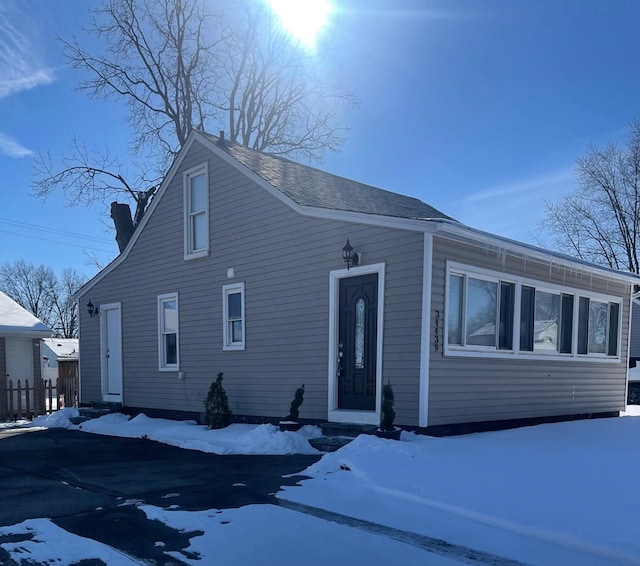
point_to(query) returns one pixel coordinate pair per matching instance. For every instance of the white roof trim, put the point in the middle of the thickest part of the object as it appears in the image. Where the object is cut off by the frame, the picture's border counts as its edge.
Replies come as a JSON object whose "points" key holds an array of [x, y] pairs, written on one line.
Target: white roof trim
{"points": [[433, 225], [457, 231], [154, 203]]}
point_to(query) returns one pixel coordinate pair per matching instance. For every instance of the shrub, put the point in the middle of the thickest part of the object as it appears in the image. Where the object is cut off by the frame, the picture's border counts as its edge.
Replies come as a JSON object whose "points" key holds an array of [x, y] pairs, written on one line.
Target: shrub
{"points": [[388, 414], [217, 412], [294, 409]]}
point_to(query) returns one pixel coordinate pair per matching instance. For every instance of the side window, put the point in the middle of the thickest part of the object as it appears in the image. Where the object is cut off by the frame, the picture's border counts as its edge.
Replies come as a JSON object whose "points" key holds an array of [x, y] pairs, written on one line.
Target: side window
{"points": [[196, 212], [598, 327], [493, 314], [168, 329], [480, 312], [233, 317]]}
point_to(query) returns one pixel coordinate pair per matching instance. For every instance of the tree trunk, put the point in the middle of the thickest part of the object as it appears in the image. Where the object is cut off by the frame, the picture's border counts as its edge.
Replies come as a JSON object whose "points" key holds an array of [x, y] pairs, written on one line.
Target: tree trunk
{"points": [[121, 214]]}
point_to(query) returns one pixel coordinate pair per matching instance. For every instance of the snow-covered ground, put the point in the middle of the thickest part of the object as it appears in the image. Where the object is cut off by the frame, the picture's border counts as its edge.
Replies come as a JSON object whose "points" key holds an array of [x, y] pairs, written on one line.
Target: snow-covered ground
{"points": [[553, 494]]}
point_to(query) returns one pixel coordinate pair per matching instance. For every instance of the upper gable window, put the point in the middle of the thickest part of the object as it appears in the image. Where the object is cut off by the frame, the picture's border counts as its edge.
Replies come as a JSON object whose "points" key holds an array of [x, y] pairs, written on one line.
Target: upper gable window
{"points": [[196, 212]]}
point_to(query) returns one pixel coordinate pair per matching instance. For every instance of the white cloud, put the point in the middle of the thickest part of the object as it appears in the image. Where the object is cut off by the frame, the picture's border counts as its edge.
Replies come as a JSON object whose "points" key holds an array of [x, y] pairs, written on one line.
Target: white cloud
{"points": [[12, 148], [16, 83], [20, 64], [514, 209]]}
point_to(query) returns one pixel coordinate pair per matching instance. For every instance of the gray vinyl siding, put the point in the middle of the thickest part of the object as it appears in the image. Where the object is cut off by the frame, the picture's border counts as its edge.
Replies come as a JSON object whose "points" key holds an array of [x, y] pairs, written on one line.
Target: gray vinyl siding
{"points": [[3, 378], [3, 360], [470, 389], [37, 358], [634, 348], [284, 259]]}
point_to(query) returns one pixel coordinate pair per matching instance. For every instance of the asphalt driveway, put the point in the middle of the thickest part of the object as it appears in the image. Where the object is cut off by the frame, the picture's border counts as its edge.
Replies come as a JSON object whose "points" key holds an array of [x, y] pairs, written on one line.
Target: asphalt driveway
{"points": [[83, 482]]}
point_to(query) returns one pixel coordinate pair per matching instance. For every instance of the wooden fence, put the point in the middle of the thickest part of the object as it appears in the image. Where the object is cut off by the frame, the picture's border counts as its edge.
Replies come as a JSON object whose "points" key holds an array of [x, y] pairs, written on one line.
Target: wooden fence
{"points": [[23, 400]]}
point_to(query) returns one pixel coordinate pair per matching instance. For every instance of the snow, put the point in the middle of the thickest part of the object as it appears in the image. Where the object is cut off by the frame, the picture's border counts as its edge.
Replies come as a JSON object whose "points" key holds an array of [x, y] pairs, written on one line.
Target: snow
{"points": [[234, 439], [286, 538], [14, 319], [552, 494], [48, 544], [63, 348], [57, 419]]}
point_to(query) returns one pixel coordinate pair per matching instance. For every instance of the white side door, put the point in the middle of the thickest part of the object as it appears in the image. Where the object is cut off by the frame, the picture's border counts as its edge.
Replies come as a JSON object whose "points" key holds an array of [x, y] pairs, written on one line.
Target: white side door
{"points": [[111, 352], [19, 353]]}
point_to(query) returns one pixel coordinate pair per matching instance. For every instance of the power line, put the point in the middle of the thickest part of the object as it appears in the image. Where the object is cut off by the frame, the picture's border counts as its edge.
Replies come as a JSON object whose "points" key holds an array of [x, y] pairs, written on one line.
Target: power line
{"points": [[54, 231], [55, 241]]}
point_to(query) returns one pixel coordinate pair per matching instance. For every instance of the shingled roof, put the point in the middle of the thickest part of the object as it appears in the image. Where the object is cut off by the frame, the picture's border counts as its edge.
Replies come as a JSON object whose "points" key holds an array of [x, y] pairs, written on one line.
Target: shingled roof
{"points": [[308, 186]]}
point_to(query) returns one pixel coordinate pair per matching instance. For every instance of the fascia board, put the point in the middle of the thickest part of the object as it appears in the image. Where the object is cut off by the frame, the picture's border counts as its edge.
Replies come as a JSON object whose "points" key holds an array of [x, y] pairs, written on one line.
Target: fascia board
{"points": [[459, 231]]}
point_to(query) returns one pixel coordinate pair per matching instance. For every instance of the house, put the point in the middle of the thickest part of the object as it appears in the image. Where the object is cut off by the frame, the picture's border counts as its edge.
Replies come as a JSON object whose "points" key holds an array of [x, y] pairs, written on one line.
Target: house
{"points": [[21, 336], [634, 353], [54, 350], [279, 274]]}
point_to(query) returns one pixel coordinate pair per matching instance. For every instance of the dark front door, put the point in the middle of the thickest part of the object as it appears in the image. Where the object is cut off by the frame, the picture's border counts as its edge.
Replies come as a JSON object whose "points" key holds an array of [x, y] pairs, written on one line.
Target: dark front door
{"points": [[357, 340]]}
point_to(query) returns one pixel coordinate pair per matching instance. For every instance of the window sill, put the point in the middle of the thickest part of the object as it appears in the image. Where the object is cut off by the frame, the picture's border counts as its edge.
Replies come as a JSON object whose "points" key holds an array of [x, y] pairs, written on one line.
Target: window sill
{"points": [[196, 255], [534, 356], [174, 369], [234, 347]]}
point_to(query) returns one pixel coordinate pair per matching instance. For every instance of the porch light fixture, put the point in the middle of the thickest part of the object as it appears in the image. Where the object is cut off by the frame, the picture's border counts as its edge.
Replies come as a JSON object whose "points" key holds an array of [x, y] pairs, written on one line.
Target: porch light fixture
{"points": [[350, 257], [92, 310]]}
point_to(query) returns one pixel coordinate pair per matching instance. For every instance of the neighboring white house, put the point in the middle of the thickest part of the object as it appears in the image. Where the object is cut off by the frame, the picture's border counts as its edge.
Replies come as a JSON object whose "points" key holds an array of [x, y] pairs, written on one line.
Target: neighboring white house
{"points": [[21, 336], [54, 349]]}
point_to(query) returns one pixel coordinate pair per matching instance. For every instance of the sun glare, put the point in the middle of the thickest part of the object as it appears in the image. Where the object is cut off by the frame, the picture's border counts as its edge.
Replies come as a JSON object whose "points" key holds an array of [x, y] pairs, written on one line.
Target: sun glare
{"points": [[303, 19]]}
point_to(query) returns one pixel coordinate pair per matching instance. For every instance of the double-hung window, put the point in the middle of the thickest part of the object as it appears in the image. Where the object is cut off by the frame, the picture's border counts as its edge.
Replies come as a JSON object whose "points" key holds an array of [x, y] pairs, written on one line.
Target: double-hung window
{"points": [[492, 312], [168, 332], [233, 316], [196, 212]]}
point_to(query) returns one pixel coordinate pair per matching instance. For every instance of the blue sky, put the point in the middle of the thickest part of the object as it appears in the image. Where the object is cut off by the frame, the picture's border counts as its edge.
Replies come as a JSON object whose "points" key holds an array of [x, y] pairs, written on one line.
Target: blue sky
{"points": [[479, 108]]}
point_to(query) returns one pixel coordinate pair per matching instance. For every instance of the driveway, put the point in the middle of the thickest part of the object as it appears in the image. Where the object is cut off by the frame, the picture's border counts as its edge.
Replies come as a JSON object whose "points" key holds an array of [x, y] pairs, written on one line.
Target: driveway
{"points": [[85, 484]]}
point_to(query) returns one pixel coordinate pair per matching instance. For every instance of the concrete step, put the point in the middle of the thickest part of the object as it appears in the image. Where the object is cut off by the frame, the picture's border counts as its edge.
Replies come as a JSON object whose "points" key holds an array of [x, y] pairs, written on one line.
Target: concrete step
{"points": [[330, 443], [346, 429], [95, 411]]}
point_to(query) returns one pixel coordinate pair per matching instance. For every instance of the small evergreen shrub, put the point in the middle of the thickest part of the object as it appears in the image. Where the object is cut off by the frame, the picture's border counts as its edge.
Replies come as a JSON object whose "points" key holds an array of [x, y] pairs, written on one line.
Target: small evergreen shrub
{"points": [[217, 412], [388, 414], [294, 409]]}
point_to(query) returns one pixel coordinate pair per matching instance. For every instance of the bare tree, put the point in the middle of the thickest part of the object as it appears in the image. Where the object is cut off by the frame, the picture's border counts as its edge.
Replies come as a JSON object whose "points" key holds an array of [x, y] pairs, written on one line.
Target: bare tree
{"points": [[600, 220], [184, 64], [65, 308], [39, 291], [275, 97], [30, 286]]}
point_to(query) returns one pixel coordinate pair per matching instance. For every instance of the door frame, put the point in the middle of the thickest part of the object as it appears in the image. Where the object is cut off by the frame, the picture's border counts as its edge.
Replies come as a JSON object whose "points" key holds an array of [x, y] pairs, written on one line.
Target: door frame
{"points": [[334, 413], [103, 345]]}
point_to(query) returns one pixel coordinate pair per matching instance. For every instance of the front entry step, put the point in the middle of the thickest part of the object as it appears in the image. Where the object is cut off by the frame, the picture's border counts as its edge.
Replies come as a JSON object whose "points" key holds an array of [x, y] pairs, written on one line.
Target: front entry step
{"points": [[336, 435], [330, 443], [347, 429], [96, 410]]}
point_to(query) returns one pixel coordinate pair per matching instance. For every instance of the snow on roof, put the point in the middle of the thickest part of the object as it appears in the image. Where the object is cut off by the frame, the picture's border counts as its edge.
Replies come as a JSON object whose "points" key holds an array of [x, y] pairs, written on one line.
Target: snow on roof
{"points": [[63, 348], [16, 320]]}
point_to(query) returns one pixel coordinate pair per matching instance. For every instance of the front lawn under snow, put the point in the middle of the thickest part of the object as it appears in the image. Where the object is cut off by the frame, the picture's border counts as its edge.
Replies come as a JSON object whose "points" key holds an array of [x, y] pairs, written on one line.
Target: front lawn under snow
{"points": [[563, 493], [234, 439], [553, 494]]}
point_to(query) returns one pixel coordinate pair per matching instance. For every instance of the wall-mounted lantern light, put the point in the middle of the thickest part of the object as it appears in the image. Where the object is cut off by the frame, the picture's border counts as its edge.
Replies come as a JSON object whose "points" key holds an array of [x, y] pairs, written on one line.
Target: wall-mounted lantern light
{"points": [[92, 310], [350, 257]]}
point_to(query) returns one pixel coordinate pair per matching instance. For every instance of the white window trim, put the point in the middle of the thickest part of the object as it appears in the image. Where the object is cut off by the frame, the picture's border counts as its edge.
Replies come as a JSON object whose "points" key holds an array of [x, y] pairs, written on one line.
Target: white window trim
{"points": [[491, 352], [186, 189], [227, 290], [161, 365]]}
